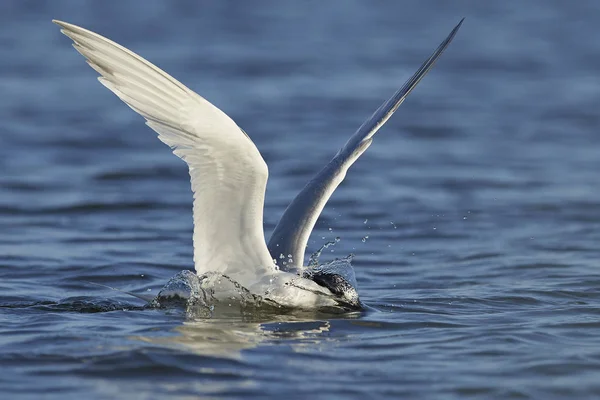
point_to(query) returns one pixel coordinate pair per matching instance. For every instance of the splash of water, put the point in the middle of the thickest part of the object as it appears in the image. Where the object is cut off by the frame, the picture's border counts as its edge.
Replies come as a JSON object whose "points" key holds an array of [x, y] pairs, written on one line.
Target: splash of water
{"points": [[313, 261]]}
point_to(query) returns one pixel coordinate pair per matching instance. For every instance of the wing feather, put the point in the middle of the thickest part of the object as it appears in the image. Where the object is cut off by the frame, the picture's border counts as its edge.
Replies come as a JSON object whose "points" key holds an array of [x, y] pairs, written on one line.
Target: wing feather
{"points": [[291, 234], [228, 174]]}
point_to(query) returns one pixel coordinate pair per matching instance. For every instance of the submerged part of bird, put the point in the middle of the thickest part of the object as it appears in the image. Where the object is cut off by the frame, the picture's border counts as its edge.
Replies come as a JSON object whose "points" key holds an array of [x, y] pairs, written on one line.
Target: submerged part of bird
{"points": [[337, 276], [202, 295], [228, 178]]}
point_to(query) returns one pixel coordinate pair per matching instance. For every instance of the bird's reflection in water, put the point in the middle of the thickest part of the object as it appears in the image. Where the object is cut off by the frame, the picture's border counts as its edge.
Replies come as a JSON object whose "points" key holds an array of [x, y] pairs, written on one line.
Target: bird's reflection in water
{"points": [[232, 329]]}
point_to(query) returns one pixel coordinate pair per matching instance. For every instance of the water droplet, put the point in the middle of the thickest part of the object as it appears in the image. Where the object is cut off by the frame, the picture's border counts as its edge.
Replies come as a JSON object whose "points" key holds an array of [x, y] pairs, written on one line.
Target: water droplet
{"points": [[366, 220], [149, 290], [365, 238]]}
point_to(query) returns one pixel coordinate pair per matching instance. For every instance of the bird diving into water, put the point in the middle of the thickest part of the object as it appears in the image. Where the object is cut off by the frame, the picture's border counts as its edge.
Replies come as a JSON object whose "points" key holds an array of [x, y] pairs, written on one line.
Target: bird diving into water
{"points": [[228, 179]]}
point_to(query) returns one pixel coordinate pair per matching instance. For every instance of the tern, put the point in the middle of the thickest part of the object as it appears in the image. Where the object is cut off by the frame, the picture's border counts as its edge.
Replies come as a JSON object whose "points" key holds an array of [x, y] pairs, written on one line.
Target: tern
{"points": [[229, 177]]}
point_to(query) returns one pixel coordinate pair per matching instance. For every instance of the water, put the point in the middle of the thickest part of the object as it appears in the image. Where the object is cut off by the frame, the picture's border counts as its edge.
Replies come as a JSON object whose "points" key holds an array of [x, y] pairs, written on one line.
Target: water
{"points": [[479, 199]]}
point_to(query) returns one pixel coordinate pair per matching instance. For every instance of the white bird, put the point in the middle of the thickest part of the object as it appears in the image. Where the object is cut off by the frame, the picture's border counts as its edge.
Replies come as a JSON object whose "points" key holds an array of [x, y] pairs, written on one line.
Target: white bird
{"points": [[229, 176]]}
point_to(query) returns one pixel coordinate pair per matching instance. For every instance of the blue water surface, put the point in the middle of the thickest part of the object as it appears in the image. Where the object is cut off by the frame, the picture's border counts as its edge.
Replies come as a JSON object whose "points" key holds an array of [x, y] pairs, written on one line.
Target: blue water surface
{"points": [[474, 217]]}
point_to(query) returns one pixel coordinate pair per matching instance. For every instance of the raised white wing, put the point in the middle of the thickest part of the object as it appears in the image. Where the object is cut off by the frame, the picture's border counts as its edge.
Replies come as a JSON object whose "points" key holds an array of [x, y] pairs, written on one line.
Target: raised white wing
{"points": [[228, 173], [293, 230]]}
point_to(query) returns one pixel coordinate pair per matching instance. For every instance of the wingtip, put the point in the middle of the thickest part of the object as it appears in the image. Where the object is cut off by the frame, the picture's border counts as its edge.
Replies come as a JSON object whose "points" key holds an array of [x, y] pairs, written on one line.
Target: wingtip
{"points": [[455, 30], [66, 28], [63, 25]]}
